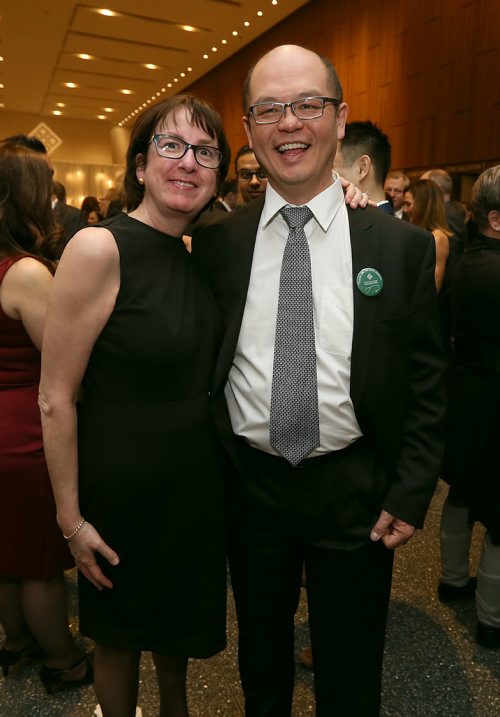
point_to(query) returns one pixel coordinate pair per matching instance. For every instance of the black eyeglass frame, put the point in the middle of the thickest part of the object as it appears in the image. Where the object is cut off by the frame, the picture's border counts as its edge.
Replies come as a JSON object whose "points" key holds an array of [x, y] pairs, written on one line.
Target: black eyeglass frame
{"points": [[187, 146], [259, 173], [284, 105]]}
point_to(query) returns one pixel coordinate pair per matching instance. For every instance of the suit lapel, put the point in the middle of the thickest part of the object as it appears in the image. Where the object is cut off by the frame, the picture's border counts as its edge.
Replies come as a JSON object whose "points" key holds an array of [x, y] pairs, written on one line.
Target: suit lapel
{"points": [[242, 232], [365, 247]]}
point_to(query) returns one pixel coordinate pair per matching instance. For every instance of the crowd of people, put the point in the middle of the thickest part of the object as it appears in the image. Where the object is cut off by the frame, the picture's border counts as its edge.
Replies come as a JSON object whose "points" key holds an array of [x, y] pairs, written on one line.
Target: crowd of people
{"points": [[214, 354]]}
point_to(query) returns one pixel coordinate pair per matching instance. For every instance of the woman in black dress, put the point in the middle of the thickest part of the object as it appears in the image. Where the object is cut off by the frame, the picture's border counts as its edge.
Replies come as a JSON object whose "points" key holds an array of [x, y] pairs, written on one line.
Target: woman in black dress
{"points": [[136, 467]]}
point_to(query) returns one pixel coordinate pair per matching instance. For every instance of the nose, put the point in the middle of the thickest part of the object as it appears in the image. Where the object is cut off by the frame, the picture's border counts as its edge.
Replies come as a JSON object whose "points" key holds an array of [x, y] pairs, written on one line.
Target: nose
{"points": [[289, 120], [188, 161], [254, 181]]}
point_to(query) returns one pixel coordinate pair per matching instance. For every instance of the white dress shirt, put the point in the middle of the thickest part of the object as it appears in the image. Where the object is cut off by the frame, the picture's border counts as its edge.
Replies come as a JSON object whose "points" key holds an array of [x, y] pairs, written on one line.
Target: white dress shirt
{"points": [[248, 390]]}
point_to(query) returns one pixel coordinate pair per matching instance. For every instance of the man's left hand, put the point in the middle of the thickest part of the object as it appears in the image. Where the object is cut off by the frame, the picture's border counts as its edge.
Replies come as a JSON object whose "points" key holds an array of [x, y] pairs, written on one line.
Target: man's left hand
{"points": [[391, 530]]}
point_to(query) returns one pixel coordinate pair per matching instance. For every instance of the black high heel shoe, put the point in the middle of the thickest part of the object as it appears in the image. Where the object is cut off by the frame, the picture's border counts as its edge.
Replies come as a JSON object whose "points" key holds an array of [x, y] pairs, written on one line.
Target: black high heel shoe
{"points": [[13, 658], [53, 680]]}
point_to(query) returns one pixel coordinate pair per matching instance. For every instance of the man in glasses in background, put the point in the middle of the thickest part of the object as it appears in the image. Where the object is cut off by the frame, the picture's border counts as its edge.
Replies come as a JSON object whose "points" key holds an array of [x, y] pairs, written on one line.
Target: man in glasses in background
{"points": [[252, 179], [327, 394]]}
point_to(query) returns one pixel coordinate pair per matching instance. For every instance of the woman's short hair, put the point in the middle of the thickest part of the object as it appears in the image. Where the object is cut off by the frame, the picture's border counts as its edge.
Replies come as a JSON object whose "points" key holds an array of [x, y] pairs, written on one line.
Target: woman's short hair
{"points": [[27, 223], [203, 115], [485, 196]]}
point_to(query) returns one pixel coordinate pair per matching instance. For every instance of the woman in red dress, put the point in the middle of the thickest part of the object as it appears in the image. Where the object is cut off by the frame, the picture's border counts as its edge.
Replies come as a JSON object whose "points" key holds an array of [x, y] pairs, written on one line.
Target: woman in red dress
{"points": [[33, 555]]}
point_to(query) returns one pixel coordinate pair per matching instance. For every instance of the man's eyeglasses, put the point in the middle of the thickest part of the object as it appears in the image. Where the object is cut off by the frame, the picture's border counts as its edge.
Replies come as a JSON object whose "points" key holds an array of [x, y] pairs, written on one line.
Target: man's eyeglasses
{"points": [[246, 175], [306, 108], [175, 148]]}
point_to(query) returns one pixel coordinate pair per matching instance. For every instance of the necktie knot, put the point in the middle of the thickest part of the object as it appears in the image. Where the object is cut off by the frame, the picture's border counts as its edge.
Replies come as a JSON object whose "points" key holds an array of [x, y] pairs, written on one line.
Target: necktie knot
{"points": [[296, 217]]}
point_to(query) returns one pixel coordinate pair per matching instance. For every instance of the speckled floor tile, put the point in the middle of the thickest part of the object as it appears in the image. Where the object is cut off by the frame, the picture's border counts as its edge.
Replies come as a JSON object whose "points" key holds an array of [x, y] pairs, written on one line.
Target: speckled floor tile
{"points": [[432, 668]]}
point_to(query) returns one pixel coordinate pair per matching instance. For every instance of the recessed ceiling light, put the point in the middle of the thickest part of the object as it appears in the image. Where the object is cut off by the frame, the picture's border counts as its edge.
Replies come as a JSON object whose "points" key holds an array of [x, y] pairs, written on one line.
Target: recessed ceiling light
{"points": [[246, 23], [205, 57], [169, 84], [101, 116], [189, 28], [84, 56], [60, 104], [2, 85], [163, 89], [158, 94], [183, 74], [119, 124], [189, 69], [176, 79], [214, 49], [108, 109], [106, 12], [234, 33], [1, 58], [126, 92], [71, 85], [2, 104], [274, 2], [56, 112], [224, 42], [259, 13], [150, 66]]}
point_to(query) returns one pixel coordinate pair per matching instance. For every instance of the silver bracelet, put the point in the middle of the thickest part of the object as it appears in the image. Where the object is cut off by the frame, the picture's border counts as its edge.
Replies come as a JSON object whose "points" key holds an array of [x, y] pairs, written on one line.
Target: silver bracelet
{"points": [[75, 531]]}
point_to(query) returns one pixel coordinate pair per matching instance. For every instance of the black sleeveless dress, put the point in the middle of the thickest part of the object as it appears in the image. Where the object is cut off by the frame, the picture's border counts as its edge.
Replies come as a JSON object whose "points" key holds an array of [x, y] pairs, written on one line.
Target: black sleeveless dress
{"points": [[151, 470]]}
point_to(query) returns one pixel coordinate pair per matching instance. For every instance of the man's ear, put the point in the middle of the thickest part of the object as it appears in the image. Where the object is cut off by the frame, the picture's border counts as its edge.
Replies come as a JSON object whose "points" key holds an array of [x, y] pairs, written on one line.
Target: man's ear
{"points": [[364, 164], [341, 119], [246, 126], [494, 220]]}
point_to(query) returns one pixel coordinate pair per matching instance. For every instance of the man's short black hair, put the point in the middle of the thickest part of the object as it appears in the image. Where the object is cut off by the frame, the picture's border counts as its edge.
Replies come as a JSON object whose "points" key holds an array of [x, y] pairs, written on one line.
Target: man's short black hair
{"points": [[366, 138], [246, 149]]}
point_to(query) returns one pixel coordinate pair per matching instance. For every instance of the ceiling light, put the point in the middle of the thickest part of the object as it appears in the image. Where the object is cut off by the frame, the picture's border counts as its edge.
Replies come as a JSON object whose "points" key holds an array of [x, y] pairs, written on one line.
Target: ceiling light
{"points": [[234, 33], [56, 112], [2, 85], [126, 92], [1, 58], [101, 116], [259, 13], [119, 124], [205, 57], [176, 79], [84, 56], [71, 85], [169, 84], [224, 42], [274, 2], [163, 89], [150, 66], [108, 109], [2, 104], [189, 28], [106, 12], [183, 74], [158, 94], [214, 49], [246, 23], [60, 104], [189, 69]]}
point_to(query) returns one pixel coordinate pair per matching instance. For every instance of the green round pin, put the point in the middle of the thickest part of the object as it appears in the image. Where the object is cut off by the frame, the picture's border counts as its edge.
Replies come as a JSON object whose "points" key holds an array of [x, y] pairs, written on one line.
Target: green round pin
{"points": [[369, 281]]}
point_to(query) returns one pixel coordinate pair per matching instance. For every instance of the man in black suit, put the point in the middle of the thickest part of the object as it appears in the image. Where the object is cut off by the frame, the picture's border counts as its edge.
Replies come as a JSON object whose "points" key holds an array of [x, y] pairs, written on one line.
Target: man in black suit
{"points": [[370, 426], [364, 157]]}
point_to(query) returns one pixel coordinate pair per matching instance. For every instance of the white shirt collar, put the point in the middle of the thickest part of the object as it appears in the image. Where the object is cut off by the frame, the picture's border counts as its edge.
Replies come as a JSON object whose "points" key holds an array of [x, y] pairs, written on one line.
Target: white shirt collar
{"points": [[324, 205]]}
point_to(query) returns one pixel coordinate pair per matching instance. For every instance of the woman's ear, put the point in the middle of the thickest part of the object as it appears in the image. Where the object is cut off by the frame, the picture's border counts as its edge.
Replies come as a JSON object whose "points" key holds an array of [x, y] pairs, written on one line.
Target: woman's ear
{"points": [[140, 167]]}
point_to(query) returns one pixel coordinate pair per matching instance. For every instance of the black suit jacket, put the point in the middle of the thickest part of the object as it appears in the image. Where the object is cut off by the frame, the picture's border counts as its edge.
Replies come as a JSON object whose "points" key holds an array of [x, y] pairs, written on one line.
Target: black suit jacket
{"points": [[397, 361]]}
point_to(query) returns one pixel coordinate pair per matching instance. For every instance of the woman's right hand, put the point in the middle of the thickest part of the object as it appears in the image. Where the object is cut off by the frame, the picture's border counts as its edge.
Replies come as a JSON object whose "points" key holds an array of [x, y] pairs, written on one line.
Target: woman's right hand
{"points": [[83, 547]]}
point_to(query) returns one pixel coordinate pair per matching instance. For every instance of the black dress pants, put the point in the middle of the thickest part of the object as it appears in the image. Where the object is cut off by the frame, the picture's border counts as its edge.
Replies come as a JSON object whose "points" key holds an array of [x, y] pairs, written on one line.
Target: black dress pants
{"points": [[281, 521]]}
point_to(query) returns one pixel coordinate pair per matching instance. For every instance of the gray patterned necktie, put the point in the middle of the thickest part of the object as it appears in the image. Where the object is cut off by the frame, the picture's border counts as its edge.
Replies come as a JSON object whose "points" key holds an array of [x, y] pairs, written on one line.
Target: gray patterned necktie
{"points": [[294, 419]]}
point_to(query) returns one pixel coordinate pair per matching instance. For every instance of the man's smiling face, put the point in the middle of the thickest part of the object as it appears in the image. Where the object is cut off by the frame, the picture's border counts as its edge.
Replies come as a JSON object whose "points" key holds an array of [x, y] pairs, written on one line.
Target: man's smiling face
{"points": [[296, 154]]}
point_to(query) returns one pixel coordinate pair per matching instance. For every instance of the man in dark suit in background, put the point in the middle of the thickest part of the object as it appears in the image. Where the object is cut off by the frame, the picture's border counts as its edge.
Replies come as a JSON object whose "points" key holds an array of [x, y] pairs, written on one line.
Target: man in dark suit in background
{"points": [[330, 405], [68, 217], [364, 157]]}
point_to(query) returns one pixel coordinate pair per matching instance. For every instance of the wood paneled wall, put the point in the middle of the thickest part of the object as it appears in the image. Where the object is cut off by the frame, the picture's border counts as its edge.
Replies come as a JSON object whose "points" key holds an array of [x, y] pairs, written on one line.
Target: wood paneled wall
{"points": [[426, 71]]}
